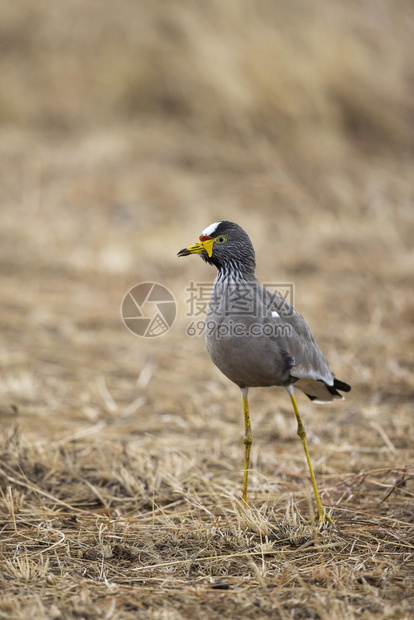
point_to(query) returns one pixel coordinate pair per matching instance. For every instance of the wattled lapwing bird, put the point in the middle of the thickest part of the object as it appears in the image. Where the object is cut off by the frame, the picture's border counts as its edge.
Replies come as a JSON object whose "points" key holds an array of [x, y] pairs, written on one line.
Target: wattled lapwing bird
{"points": [[256, 338]]}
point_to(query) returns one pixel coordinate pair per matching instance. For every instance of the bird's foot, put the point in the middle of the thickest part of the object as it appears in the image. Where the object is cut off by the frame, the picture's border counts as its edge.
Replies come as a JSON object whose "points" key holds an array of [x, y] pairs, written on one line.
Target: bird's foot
{"points": [[324, 517]]}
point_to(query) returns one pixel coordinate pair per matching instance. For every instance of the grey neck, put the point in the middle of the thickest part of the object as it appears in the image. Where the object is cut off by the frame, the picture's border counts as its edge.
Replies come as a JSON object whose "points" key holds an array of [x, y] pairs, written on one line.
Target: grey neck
{"points": [[234, 271]]}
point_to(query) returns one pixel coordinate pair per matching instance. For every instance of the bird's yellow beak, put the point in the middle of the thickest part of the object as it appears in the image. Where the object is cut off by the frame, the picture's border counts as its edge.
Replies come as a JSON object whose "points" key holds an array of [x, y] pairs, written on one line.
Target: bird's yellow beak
{"points": [[205, 245]]}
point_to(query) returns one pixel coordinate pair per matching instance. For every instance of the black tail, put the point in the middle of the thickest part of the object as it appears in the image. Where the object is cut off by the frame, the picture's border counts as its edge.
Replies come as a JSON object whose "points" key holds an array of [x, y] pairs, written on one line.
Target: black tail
{"points": [[341, 385], [318, 390], [338, 385]]}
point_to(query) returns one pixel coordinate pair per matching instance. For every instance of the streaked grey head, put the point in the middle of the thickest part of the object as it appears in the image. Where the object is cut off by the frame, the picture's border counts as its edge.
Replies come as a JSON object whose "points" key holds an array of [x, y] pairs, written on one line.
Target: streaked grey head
{"points": [[226, 246], [232, 248]]}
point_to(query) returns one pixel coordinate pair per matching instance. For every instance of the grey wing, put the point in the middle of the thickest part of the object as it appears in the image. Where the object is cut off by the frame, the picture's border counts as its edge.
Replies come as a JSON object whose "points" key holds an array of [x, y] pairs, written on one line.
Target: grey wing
{"points": [[292, 334]]}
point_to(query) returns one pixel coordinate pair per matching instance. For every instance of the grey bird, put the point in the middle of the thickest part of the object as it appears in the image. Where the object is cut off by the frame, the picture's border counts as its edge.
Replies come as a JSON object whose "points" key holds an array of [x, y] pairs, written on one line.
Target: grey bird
{"points": [[256, 338]]}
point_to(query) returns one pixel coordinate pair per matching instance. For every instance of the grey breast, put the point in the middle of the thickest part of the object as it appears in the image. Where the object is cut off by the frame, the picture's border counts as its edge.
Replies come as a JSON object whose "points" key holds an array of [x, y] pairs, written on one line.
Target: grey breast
{"points": [[256, 338]]}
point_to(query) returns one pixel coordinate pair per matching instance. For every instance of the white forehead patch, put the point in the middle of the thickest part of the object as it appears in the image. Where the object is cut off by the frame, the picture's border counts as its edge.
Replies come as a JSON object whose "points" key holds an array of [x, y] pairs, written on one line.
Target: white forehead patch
{"points": [[208, 232]]}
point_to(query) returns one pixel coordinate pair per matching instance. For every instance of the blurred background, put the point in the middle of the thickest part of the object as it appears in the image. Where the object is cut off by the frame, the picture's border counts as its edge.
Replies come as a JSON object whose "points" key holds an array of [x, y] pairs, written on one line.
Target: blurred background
{"points": [[126, 128]]}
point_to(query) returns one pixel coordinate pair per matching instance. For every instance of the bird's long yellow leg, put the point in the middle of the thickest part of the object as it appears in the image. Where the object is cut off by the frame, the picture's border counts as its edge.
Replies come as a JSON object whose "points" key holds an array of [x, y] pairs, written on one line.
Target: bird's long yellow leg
{"points": [[302, 434], [247, 441]]}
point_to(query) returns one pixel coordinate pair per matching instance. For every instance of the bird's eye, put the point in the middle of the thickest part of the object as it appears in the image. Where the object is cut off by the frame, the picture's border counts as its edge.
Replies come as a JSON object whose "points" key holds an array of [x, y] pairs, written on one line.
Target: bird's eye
{"points": [[220, 240]]}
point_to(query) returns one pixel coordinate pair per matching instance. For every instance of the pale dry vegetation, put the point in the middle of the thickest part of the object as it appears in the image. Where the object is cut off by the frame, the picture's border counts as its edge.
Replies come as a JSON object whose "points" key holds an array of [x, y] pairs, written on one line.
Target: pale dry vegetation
{"points": [[126, 128]]}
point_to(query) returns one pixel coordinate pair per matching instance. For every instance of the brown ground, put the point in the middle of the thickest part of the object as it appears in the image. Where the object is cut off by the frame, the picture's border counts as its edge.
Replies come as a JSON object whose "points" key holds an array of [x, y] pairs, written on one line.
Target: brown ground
{"points": [[126, 128]]}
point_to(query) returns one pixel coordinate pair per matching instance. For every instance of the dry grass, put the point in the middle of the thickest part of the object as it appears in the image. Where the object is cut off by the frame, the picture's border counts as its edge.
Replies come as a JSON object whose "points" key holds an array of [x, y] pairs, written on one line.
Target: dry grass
{"points": [[125, 131]]}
